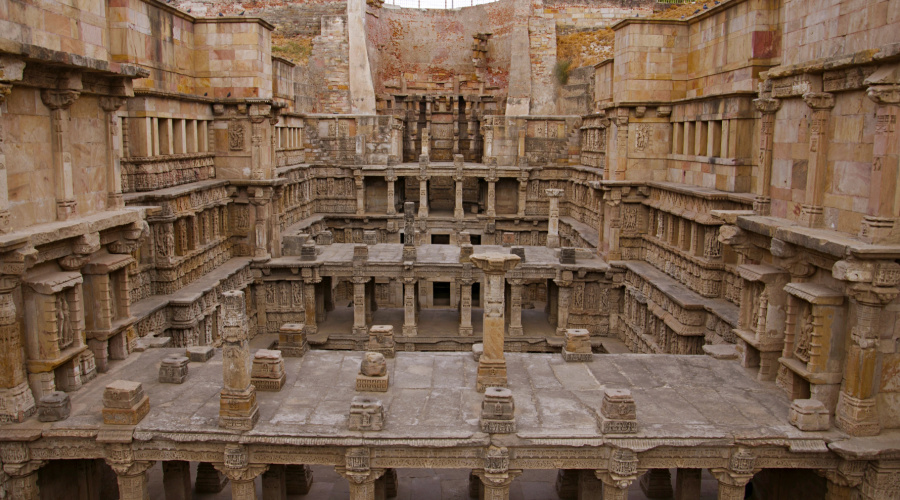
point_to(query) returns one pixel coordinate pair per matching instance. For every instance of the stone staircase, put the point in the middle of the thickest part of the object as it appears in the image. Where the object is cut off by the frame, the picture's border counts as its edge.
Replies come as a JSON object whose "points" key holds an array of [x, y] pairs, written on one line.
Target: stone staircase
{"points": [[576, 95]]}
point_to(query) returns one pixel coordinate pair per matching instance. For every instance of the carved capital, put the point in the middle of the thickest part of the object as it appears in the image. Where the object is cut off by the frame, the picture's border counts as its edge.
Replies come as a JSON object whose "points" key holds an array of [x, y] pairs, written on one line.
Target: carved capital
{"points": [[872, 295], [111, 103], [884, 94], [767, 106], [135, 468], [360, 477], [243, 475], [24, 468], [819, 100], [59, 99]]}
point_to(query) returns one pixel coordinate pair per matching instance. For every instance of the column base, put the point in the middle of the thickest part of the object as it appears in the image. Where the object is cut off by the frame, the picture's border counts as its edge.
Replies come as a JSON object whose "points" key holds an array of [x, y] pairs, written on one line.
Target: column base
{"points": [[880, 230], [812, 215], [516, 331], [762, 205], [65, 209], [410, 330], [491, 373], [466, 331], [238, 409], [360, 330], [857, 417], [17, 403], [115, 201], [552, 241]]}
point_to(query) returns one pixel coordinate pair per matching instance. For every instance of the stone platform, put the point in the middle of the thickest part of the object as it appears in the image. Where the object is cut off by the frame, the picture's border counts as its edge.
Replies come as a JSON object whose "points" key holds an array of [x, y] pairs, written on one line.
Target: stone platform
{"points": [[681, 398]]}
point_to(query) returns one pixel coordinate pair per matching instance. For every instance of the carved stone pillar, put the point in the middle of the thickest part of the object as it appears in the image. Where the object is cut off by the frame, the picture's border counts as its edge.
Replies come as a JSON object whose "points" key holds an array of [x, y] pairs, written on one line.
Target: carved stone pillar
{"points": [[812, 212], [237, 401], [261, 228], [623, 470], [360, 476], [113, 151], [458, 212], [409, 306], [5, 89], [881, 225], [856, 412], [553, 220], [492, 194], [309, 304], [687, 484], [391, 180], [496, 485], [359, 306], [492, 366], [843, 483], [23, 479], [880, 481], [132, 479], [563, 298], [621, 160], [768, 108], [516, 286], [734, 479], [177, 479], [523, 193], [16, 398], [423, 195], [360, 193], [243, 480], [465, 301], [59, 102]]}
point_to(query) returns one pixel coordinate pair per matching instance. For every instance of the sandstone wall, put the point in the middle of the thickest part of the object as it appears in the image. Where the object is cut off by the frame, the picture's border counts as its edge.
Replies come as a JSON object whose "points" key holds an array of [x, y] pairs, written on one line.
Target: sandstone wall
{"points": [[26, 134], [429, 48], [816, 29], [56, 26]]}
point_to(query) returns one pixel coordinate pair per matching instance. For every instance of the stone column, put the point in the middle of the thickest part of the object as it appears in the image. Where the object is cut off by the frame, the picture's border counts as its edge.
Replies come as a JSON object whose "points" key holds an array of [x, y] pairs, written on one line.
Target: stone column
{"points": [[622, 471], [496, 486], [177, 479], [843, 483], [261, 228], [516, 286], [458, 212], [298, 479], [465, 301], [768, 108], [243, 480], [361, 480], [621, 159], [553, 220], [113, 166], [523, 193], [309, 304], [492, 366], [562, 303], [687, 484], [274, 486], [613, 487], [409, 306], [360, 192], [359, 305], [492, 194], [237, 404], [856, 412], [812, 212], [5, 90], [59, 102], [23, 479], [881, 225], [391, 179], [132, 479], [16, 398], [423, 194], [731, 487]]}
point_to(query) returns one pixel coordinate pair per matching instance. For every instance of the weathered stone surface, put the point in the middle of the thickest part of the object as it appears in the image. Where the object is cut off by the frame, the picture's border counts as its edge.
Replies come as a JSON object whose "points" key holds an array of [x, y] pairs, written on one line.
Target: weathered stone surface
{"points": [[809, 415], [54, 407], [366, 414], [200, 354], [173, 370]]}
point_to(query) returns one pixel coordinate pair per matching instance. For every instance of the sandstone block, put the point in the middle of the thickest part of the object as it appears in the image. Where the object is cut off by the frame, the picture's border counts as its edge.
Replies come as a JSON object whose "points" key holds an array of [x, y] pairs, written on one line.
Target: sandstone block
{"points": [[809, 415], [267, 372], [173, 370], [200, 354], [366, 414], [477, 351], [498, 411], [618, 413], [292, 340], [124, 403], [54, 407], [381, 340]]}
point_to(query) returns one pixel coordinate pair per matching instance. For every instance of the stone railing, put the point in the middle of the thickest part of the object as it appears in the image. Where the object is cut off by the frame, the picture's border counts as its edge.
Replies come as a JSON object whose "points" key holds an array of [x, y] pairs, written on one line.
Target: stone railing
{"points": [[157, 172]]}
